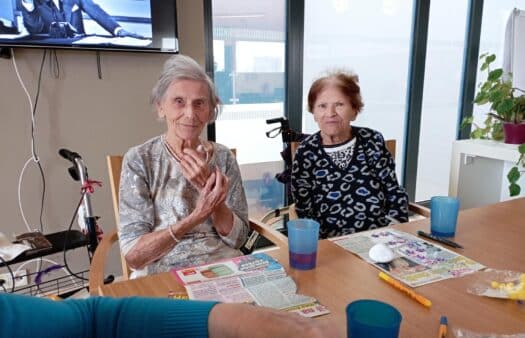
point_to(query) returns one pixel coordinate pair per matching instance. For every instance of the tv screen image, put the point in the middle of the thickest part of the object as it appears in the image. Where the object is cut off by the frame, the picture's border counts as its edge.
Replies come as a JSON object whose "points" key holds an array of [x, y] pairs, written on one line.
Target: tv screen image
{"points": [[143, 25]]}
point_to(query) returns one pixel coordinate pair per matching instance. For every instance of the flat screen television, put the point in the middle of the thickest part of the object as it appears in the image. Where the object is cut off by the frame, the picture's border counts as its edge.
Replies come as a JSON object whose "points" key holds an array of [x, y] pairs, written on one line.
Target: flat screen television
{"points": [[135, 25]]}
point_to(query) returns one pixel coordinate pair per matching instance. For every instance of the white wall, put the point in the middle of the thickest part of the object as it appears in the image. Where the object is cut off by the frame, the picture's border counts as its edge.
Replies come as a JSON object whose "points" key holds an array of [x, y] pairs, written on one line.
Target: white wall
{"points": [[80, 112]]}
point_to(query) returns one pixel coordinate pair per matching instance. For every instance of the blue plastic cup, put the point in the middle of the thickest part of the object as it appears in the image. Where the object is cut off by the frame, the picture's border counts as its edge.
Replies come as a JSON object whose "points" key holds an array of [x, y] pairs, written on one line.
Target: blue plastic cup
{"points": [[368, 318], [443, 215], [303, 235]]}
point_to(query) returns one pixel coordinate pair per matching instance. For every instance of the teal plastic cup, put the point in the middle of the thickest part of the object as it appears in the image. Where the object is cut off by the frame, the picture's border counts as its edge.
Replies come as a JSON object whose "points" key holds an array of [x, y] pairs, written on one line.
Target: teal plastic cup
{"points": [[443, 215], [368, 318], [303, 235]]}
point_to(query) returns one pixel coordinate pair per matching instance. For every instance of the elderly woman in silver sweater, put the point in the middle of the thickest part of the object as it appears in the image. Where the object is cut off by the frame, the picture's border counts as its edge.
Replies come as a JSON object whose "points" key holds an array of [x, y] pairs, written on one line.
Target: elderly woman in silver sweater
{"points": [[182, 202]]}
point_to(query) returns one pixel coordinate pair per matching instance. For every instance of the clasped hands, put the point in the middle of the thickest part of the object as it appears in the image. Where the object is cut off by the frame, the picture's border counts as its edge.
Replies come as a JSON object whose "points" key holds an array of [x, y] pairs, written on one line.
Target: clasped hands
{"points": [[211, 184]]}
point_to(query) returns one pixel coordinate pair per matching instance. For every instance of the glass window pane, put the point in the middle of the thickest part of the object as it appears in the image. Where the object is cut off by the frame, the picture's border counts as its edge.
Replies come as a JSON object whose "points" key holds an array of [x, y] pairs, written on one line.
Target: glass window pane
{"points": [[494, 21], [371, 38], [439, 118], [249, 59]]}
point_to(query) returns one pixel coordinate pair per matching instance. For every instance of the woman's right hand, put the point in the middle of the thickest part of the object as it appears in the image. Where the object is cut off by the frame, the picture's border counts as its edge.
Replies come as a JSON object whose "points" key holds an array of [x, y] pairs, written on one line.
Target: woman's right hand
{"points": [[195, 167]]}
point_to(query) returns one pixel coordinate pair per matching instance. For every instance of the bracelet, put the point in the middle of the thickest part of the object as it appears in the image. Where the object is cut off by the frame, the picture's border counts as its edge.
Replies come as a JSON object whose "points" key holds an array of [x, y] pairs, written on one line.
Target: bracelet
{"points": [[172, 234]]}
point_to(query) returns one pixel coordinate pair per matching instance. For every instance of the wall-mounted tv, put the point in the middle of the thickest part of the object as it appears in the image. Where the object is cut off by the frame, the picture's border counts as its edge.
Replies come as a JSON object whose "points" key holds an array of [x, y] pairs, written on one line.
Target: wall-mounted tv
{"points": [[136, 25]]}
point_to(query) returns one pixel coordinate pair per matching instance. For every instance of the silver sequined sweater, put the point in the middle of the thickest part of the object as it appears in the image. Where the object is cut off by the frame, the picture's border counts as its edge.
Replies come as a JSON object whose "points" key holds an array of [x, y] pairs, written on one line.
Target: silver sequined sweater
{"points": [[154, 194]]}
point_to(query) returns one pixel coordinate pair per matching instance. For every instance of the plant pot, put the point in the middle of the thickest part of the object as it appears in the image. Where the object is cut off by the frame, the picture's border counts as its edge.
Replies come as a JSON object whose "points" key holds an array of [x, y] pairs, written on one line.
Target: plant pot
{"points": [[514, 133]]}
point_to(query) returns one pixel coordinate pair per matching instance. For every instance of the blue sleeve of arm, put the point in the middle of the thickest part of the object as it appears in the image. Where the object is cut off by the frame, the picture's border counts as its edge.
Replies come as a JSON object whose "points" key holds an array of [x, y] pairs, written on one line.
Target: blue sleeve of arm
{"points": [[139, 317], [29, 317], [100, 317]]}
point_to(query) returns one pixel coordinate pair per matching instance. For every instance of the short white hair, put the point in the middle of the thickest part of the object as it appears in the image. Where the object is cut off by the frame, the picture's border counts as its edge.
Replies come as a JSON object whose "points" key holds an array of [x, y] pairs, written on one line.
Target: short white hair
{"points": [[182, 67]]}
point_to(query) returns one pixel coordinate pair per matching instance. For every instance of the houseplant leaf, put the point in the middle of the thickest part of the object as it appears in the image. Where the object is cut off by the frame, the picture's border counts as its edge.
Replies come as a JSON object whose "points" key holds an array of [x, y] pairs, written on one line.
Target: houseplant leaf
{"points": [[505, 108], [514, 189], [495, 74], [481, 98], [514, 175]]}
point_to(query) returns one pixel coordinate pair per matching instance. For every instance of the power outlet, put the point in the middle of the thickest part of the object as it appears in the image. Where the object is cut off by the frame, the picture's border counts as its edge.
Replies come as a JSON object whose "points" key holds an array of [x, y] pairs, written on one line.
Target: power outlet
{"points": [[20, 279]]}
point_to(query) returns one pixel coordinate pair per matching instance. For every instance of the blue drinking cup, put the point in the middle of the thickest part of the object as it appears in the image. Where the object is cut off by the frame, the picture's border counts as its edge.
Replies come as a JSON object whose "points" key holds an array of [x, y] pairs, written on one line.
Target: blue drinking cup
{"points": [[443, 215], [368, 318], [303, 235]]}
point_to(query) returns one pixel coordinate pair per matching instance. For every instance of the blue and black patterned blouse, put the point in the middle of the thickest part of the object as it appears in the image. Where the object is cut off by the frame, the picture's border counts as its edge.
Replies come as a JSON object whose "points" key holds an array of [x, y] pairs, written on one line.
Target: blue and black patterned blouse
{"points": [[352, 199]]}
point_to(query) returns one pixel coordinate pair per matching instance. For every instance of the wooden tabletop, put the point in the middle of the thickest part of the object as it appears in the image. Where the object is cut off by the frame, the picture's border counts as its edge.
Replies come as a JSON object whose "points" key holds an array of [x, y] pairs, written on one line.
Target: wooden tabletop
{"points": [[493, 236]]}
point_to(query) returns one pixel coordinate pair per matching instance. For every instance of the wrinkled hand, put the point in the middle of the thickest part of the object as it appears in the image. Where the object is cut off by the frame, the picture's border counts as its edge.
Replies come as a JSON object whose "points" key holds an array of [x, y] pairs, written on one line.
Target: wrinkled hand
{"points": [[211, 196], [124, 33], [284, 324], [195, 168]]}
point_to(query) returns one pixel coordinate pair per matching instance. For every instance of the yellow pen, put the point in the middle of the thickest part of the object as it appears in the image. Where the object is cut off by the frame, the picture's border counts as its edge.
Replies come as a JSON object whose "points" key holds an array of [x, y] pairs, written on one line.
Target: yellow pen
{"points": [[409, 292], [443, 322]]}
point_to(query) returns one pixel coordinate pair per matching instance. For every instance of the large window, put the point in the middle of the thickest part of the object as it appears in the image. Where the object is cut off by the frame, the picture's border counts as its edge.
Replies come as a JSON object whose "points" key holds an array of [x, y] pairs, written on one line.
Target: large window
{"points": [[249, 61], [495, 17], [439, 113], [372, 38]]}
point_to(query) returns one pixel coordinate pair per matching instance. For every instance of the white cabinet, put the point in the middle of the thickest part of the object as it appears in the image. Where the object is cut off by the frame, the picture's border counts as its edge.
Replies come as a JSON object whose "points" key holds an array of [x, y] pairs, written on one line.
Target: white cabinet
{"points": [[478, 172]]}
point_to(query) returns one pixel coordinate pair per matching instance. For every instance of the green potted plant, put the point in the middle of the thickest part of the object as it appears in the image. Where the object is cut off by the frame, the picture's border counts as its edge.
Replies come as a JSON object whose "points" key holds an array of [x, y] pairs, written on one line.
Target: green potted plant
{"points": [[506, 117]]}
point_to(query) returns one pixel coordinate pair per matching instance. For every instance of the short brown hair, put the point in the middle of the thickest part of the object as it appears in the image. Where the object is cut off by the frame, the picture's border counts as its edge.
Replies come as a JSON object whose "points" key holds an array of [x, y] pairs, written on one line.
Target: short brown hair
{"points": [[346, 82]]}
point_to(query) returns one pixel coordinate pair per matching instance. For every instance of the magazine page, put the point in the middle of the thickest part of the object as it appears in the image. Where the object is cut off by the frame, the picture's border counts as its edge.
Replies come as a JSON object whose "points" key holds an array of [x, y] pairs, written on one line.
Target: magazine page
{"points": [[226, 290], [234, 289], [311, 310], [278, 294], [228, 268], [257, 279], [416, 261]]}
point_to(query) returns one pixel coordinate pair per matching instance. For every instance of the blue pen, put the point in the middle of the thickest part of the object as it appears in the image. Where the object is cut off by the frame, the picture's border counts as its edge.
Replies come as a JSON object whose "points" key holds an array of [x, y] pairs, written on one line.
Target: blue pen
{"points": [[443, 322]]}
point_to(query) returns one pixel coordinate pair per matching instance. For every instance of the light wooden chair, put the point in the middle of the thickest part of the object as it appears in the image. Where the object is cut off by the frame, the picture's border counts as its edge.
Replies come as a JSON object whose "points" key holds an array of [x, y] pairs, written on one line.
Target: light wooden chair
{"points": [[414, 207], [96, 273]]}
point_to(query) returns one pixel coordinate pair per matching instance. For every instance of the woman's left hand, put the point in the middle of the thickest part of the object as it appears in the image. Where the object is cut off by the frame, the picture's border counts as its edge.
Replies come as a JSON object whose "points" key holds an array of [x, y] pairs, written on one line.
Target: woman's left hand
{"points": [[212, 196], [195, 167]]}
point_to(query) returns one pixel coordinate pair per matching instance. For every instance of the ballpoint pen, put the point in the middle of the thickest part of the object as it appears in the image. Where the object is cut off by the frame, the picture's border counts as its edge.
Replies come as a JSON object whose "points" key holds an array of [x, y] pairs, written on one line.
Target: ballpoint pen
{"points": [[409, 292], [443, 322], [439, 239]]}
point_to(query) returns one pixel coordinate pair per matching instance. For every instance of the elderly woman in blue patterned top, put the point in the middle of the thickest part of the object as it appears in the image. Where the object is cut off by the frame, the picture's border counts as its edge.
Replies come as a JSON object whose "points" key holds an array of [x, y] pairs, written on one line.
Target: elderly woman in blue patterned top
{"points": [[343, 176], [182, 201]]}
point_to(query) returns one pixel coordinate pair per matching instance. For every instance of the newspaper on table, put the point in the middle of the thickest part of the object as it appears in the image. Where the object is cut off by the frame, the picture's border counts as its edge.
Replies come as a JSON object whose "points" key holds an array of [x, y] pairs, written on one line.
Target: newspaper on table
{"points": [[416, 262], [256, 279]]}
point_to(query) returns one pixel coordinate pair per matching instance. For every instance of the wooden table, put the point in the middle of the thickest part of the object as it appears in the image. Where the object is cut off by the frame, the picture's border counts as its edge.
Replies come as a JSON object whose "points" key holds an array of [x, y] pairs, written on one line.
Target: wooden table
{"points": [[492, 235]]}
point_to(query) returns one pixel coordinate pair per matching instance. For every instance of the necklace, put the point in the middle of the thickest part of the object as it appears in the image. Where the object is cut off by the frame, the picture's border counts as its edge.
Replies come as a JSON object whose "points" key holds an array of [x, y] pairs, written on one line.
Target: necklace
{"points": [[200, 148], [170, 150]]}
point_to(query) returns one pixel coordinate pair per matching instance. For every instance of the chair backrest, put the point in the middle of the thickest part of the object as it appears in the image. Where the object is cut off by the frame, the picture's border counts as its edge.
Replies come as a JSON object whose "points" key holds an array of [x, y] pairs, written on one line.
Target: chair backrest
{"points": [[114, 163], [98, 262], [391, 147]]}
